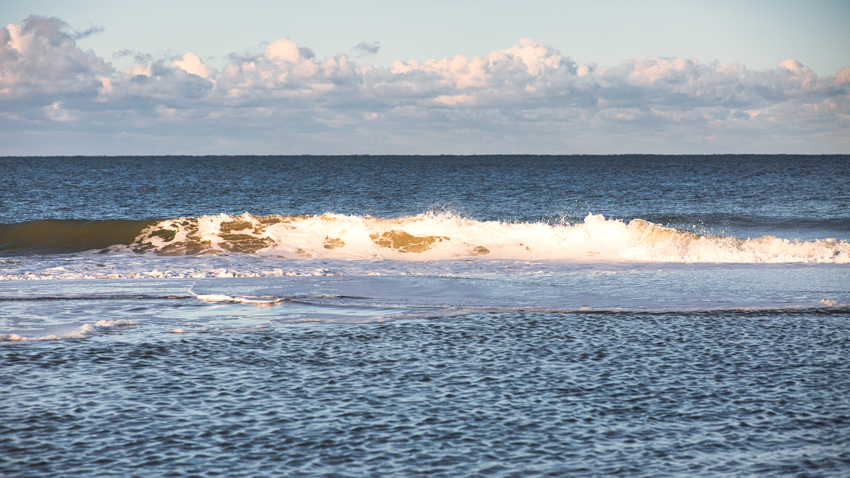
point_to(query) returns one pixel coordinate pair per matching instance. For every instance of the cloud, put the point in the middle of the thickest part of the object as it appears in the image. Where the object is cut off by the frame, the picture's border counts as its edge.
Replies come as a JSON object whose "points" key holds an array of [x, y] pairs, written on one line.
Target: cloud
{"points": [[843, 75], [526, 98], [93, 29], [190, 63], [367, 49], [137, 55], [41, 64]]}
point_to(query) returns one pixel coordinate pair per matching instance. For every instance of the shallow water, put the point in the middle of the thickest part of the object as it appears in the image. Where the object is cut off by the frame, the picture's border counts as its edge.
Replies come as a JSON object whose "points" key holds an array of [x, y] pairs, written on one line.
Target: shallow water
{"points": [[503, 394]]}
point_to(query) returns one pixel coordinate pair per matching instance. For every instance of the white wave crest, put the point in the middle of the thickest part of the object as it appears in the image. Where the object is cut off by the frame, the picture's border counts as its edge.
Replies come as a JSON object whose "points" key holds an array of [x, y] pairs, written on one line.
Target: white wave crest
{"points": [[444, 236]]}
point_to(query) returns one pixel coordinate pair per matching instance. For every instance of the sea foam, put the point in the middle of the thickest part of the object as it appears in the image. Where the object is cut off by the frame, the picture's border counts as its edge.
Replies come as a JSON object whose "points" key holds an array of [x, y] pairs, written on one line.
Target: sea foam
{"points": [[447, 236]]}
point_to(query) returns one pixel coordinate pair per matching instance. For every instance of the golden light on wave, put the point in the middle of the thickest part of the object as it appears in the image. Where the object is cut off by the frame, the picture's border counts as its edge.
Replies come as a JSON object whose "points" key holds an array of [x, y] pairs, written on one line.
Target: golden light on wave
{"points": [[405, 242], [447, 236]]}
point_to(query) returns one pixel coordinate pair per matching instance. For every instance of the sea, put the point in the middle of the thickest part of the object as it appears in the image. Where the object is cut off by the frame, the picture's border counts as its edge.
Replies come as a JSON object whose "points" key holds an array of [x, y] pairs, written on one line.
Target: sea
{"points": [[349, 316]]}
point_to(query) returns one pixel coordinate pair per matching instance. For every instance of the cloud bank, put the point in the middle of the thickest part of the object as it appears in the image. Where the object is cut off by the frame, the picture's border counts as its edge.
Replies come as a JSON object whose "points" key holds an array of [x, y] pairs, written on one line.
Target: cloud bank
{"points": [[56, 98]]}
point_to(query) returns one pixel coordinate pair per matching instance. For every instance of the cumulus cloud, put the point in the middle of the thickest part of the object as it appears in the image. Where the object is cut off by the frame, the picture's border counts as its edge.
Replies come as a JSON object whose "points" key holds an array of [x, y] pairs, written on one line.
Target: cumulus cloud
{"points": [[526, 98], [190, 63], [40, 62], [843, 75]]}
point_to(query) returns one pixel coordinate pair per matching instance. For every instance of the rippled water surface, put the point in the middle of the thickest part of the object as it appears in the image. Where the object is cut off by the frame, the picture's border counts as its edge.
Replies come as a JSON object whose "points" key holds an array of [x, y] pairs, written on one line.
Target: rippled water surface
{"points": [[510, 394], [635, 316]]}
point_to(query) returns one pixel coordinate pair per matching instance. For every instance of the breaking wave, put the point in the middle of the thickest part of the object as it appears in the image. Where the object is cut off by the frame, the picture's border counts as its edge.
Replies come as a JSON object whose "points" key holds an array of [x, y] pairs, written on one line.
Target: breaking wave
{"points": [[423, 237]]}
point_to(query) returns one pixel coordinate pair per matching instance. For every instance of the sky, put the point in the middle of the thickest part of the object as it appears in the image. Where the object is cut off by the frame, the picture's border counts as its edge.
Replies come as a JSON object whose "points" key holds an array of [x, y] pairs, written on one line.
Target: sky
{"points": [[381, 77]]}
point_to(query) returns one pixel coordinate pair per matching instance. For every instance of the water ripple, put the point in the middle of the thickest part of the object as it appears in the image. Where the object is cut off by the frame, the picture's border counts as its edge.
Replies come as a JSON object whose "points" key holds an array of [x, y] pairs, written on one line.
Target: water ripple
{"points": [[518, 394]]}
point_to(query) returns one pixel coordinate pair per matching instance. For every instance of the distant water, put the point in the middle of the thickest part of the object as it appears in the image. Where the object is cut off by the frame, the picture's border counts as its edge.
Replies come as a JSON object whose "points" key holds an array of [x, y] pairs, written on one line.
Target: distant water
{"points": [[453, 316]]}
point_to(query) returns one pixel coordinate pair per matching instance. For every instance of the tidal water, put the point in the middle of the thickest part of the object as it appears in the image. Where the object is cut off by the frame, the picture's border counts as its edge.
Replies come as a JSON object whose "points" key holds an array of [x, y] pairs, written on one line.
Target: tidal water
{"points": [[411, 316]]}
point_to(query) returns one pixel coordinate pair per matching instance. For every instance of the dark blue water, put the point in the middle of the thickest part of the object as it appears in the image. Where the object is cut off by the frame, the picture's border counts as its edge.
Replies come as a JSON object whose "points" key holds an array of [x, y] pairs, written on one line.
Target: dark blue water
{"points": [[791, 196]]}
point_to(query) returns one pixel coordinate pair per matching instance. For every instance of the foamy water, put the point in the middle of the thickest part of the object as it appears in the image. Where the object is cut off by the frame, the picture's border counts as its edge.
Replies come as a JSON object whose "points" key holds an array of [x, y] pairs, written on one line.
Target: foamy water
{"points": [[69, 331], [448, 236]]}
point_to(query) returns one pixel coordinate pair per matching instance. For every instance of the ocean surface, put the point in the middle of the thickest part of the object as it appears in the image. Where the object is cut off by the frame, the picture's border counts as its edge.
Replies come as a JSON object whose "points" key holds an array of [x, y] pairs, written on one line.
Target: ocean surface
{"points": [[623, 315]]}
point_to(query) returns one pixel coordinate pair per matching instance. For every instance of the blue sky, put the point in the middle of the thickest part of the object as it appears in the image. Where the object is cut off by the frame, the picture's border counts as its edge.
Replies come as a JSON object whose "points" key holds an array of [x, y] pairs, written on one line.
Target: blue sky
{"points": [[212, 77]]}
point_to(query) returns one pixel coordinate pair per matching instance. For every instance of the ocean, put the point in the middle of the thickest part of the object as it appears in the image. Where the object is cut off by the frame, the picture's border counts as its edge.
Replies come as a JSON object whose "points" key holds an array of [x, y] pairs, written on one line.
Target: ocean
{"points": [[628, 315]]}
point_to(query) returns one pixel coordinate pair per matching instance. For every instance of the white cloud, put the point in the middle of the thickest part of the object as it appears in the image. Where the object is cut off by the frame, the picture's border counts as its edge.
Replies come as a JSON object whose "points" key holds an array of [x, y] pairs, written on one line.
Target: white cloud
{"points": [[190, 63], [283, 49], [284, 97], [39, 61]]}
